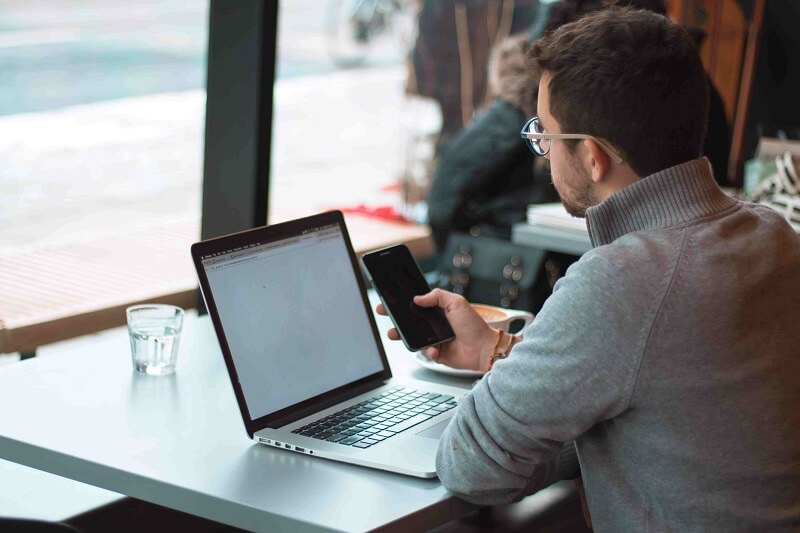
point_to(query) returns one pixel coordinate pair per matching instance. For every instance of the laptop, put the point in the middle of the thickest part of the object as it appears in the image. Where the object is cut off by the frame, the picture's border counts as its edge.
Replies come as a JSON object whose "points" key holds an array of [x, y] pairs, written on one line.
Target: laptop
{"points": [[303, 352]]}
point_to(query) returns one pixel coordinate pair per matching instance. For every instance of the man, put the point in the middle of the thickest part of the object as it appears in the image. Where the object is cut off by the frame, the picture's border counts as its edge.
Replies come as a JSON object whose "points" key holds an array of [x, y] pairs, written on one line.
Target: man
{"points": [[669, 352]]}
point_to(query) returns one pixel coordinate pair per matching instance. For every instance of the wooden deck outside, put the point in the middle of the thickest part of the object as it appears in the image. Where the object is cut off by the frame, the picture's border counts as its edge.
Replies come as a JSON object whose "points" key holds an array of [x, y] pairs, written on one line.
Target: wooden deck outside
{"points": [[52, 292], [57, 291]]}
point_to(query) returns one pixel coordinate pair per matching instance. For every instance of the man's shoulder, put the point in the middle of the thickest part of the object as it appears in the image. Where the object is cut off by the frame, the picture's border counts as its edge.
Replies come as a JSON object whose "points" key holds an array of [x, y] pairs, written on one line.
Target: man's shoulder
{"points": [[630, 254], [629, 275]]}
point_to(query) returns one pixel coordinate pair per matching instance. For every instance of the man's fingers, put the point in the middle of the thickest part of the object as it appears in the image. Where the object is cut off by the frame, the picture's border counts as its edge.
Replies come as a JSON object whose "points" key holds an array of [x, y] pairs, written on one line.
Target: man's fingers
{"points": [[430, 299], [446, 300], [380, 309], [431, 353], [393, 335]]}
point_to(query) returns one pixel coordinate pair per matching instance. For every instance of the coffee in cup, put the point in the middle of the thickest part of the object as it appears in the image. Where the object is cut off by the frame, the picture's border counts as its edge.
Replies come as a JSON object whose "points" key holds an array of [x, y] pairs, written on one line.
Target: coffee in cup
{"points": [[511, 320]]}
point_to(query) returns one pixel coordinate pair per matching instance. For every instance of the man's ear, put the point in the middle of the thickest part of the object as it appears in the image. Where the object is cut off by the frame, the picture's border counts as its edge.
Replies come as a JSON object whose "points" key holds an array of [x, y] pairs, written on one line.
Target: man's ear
{"points": [[599, 161]]}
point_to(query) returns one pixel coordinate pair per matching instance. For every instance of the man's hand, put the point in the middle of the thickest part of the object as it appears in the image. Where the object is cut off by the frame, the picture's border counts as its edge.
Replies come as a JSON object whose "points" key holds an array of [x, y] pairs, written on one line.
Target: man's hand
{"points": [[472, 346]]}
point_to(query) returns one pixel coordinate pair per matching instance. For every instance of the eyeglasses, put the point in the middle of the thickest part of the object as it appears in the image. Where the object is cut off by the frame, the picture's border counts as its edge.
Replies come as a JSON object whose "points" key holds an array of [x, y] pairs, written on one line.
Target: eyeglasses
{"points": [[539, 142]]}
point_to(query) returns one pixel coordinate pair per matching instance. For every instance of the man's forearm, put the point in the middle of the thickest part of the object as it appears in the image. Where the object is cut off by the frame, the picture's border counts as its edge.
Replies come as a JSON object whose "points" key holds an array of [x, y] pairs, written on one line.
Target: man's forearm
{"points": [[475, 465]]}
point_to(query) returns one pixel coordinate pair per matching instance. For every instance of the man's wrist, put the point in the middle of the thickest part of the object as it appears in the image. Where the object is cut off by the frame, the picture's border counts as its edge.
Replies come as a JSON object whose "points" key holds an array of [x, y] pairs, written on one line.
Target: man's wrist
{"points": [[504, 341]]}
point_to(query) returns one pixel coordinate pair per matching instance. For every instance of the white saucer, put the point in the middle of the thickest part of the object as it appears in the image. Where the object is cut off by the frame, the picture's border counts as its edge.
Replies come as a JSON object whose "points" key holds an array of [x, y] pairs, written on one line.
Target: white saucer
{"points": [[444, 369]]}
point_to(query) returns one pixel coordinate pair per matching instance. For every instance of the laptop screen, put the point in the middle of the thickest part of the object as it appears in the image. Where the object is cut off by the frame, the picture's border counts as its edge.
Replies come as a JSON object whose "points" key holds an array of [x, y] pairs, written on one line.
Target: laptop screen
{"points": [[293, 316]]}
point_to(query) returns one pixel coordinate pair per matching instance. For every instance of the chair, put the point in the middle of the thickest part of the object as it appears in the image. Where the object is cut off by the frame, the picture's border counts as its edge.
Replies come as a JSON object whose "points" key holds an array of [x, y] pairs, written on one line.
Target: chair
{"points": [[495, 271]]}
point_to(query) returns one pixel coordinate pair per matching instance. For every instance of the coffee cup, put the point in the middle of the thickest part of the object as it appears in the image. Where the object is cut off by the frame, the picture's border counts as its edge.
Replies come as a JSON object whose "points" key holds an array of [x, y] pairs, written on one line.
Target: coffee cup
{"points": [[511, 320]]}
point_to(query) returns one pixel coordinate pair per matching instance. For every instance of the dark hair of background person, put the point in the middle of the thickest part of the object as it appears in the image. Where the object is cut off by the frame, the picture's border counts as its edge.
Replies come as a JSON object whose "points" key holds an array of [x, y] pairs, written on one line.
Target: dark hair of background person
{"points": [[640, 86]]}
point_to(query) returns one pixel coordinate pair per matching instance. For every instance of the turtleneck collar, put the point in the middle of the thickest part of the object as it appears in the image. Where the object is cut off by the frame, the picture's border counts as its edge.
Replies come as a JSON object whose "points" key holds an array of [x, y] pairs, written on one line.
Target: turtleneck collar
{"points": [[667, 198]]}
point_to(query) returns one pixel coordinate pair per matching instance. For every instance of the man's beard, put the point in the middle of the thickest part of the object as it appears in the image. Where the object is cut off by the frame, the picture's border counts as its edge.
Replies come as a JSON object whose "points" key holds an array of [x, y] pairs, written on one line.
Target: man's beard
{"points": [[581, 196]]}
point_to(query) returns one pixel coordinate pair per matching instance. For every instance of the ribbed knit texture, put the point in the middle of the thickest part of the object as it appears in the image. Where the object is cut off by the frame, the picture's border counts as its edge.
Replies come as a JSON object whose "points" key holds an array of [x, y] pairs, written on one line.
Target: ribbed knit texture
{"points": [[669, 354], [665, 199]]}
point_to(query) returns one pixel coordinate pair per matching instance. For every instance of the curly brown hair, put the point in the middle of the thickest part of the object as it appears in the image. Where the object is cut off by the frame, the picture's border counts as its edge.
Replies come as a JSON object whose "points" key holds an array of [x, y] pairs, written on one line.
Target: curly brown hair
{"points": [[509, 76], [631, 77]]}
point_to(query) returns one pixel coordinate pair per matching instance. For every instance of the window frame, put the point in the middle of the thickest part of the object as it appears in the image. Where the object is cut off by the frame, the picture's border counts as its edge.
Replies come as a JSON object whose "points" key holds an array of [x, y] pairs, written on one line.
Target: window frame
{"points": [[240, 77]]}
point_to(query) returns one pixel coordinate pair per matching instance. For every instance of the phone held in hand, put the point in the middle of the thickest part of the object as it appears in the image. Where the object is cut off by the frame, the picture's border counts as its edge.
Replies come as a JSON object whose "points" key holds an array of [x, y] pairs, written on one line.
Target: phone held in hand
{"points": [[397, 278]]}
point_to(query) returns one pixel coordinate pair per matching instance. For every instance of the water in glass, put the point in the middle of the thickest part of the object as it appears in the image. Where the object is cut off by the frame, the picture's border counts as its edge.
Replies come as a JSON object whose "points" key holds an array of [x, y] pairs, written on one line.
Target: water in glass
{"points": [[154, 348]]}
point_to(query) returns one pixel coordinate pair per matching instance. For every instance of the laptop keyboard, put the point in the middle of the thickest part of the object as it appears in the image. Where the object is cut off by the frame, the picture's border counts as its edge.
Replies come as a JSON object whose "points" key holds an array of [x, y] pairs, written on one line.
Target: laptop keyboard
{"points": [[379, 418]]}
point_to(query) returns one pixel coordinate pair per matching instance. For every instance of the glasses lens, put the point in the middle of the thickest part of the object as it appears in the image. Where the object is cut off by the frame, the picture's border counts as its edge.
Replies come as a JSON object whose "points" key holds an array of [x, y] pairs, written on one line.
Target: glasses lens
{"points": [[537, 146], [541, 146]]}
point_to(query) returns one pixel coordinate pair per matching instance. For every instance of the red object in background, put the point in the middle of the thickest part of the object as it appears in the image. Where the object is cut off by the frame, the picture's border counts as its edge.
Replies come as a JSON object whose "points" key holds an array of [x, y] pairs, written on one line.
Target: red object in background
{"points": [[381, 212], [392, 187]]}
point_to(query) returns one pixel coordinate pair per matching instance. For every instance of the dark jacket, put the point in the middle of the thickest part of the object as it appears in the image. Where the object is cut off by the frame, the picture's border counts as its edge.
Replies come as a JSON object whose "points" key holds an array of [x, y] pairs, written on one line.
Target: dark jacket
{"points": [[485, 177]]}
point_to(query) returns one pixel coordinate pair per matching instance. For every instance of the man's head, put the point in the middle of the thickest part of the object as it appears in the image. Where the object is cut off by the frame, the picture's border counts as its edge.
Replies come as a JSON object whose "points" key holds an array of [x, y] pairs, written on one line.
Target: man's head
{"points": [[632, 78]]}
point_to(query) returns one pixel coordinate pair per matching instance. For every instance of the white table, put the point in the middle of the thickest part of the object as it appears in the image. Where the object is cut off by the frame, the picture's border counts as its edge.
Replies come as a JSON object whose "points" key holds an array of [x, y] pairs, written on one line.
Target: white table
{"points": [[178, 441], [549, 227]]}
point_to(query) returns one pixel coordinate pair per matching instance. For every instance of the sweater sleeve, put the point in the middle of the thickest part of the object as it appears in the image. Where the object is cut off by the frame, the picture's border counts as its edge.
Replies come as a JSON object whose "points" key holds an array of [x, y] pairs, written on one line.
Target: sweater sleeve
{"points": [[575, 367]]}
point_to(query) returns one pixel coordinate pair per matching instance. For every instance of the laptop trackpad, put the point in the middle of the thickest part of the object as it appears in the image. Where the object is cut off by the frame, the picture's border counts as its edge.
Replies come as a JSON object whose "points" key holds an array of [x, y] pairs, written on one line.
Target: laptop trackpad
{"points": [[434, 432]]}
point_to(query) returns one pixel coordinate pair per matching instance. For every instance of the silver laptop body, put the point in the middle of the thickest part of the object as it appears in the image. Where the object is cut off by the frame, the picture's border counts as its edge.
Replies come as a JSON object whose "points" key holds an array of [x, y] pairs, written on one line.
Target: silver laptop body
{"points": [[300, 343]]}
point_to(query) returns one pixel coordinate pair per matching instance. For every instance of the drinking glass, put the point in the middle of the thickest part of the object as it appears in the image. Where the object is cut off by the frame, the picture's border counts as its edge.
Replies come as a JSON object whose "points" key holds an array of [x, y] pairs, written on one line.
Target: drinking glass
{"points": [[154, 330]]}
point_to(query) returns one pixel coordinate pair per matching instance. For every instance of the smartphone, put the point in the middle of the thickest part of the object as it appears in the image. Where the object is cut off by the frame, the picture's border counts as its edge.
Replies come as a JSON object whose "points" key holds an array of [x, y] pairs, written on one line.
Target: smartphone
{"points": [[397, 278]]}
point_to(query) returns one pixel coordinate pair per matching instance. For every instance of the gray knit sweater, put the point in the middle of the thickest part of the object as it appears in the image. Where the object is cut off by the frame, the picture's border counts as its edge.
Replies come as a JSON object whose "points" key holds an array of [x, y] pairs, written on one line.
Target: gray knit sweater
{"points": [[671, 354]]}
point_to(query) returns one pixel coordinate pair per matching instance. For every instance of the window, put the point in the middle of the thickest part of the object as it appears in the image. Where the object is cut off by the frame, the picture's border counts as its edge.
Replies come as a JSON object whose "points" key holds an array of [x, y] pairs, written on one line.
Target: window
{"points": [[117, 144], [343, 132], [101, 115], [343, 126], [102, 108]]}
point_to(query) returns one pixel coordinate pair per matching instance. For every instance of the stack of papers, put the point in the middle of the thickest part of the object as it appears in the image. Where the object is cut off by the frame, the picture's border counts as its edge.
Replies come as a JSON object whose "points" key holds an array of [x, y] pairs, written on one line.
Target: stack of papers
{"points": [[555, 216]]}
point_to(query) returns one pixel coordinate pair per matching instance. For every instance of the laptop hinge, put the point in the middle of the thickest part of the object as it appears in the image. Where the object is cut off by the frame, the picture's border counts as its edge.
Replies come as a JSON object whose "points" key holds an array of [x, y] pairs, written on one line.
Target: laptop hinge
{"points": [[339, 398]]}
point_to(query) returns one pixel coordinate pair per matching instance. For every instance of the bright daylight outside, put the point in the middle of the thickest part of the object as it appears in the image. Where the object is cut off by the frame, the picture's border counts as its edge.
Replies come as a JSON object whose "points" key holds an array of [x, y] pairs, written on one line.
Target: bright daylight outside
{"points": [[102, 108]]}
